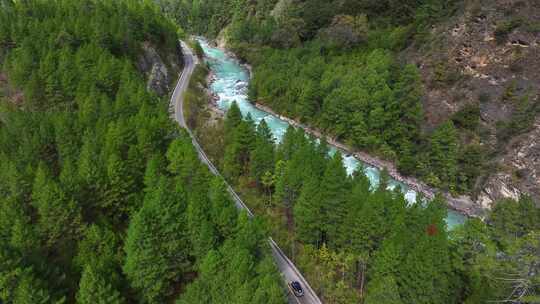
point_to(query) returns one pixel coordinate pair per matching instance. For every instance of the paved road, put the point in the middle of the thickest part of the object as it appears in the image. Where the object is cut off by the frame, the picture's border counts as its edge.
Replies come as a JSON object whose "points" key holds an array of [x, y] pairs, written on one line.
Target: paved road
{"points": [[288, 271]]}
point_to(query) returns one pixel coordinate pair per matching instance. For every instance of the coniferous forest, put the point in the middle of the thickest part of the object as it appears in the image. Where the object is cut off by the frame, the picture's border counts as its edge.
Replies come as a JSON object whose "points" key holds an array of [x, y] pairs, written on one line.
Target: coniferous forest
{"points": [[357, 243], [102, 197], [335, 65]]}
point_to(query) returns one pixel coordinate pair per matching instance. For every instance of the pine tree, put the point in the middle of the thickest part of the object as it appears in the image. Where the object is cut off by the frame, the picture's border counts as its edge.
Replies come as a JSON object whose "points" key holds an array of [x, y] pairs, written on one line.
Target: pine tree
{"points": [[157, 246], [364, 217], [94, 288], [99, 249], [262, 156], [31, 290], [408, 94], [334, 186], [118, 198], [425, 275], [183, 160], [444, 153], [290, 143], [308, 213], [383, 290], [90, 173], [232, 168], [154, 170], [222, 211], [59, 215], [232, 121], [201, 229], [245, 137], [269, 290]]}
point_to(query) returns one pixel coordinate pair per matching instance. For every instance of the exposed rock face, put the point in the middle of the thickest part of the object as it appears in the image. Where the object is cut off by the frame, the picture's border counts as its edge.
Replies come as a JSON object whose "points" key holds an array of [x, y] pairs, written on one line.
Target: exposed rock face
{"points": [[160, 74], [521, 170], [477, 57]]}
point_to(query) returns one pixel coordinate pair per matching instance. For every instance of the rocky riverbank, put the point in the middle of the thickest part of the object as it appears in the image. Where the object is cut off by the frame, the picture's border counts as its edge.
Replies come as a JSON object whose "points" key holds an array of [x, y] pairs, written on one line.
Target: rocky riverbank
{"points": [[462, 204]]}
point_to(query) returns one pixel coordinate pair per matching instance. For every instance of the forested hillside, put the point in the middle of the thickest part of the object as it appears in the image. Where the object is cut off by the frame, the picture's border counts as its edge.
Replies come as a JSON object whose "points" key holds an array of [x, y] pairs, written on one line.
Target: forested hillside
{"points": [[441, 88], [360, 244], [339, 66], [102, 198]]}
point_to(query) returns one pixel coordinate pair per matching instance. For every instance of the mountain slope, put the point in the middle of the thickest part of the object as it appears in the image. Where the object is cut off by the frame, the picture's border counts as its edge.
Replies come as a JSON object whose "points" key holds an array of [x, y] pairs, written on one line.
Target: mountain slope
{"points": [[476, 61], [102, 196], [484, 62]]}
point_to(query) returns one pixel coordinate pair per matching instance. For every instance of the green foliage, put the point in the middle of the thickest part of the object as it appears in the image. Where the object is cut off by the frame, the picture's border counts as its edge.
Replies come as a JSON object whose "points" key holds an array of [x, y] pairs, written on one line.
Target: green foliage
{"points": [[383, 290], [443, 153], [468, 117], [102, 198], [352, 241], [506, 27], [308, 213], [334, 195], [94, 288], [156, 240], [262, 156], [521, 120], [230, 274]]}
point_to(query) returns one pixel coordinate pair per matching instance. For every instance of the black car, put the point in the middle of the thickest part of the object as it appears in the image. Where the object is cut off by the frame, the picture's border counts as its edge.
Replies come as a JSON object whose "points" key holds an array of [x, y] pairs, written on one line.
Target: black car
{"points": [[296, 288]]}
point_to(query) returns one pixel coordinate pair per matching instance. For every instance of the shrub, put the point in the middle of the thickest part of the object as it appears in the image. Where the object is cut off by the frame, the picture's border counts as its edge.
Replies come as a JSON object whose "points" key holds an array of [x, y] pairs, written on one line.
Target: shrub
{"points": [[468, 117], [506, 27]]}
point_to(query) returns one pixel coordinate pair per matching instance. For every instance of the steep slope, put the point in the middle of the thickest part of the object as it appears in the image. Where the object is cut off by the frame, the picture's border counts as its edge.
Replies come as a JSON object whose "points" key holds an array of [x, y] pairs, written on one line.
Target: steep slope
{"points": [[484, 63]]}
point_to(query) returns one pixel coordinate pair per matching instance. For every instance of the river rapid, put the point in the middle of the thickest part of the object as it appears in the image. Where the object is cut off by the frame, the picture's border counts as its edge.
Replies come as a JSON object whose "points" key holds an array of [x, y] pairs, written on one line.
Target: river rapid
{"points": [[230, 81]]}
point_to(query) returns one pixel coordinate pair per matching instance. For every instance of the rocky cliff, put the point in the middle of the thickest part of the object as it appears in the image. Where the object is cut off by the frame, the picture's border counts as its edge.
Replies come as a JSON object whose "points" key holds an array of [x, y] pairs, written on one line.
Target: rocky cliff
{"points": [[160, 73], [487, 57]]}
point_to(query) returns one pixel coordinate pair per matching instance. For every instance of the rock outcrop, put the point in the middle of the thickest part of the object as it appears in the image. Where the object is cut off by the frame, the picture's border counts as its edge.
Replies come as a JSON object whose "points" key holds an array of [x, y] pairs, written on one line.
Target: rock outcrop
{"points": [[488, 54], [519, 172], [159, 73]]}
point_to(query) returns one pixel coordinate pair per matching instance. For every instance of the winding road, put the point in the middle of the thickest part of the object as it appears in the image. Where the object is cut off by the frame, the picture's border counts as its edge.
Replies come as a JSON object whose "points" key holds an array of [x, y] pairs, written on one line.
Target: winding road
{"points": [[288, 270]]}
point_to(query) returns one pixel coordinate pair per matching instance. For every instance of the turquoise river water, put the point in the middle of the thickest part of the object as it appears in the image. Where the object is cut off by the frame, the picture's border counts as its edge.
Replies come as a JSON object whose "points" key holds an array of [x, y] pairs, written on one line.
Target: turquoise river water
{"points": [[230, 84]]}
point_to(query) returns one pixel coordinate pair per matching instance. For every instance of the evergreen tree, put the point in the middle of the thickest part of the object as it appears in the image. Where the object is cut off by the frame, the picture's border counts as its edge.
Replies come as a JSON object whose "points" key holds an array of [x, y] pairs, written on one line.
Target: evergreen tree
{"points": [[232, 121], [334, 189], [383, 290], [425, 275], [444, 153], [183, 160], [30, 290], [59, 216], [94, 288], [308, 213], [118, 197], [222, 211], [232, 167], [157, 247], [262, 156], [408, 96]]}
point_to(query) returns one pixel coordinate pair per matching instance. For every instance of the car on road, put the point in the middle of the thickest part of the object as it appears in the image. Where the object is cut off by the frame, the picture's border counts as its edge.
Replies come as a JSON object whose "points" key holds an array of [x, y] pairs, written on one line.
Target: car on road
{"points": [[296, 288]]}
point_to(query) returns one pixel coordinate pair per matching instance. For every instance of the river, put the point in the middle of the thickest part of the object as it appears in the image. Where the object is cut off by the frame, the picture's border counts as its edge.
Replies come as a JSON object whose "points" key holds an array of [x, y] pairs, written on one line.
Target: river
{"points": [[230, 84]]}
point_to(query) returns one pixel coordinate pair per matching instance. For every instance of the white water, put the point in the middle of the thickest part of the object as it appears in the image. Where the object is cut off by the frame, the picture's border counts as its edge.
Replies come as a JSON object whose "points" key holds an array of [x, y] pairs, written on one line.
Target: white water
{"points": [[230, 84]]}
